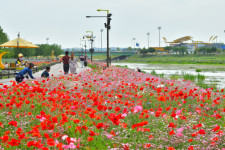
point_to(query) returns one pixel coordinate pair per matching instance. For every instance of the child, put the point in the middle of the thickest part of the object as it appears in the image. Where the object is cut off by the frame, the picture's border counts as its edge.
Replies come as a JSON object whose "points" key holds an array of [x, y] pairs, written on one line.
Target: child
{"points": [[6, 65], [45, 74], [82, 61], [20, 75], [138, 69]]}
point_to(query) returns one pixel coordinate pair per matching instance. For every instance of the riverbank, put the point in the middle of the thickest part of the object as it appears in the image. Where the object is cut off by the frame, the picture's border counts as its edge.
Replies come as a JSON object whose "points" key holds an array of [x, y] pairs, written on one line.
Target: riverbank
{"points": [[205, 76], [178, 59]]}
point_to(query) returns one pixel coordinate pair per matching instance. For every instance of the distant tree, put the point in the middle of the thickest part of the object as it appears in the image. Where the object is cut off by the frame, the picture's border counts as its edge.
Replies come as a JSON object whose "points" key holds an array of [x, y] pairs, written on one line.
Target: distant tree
{"points": [[118, 49], [175, 49], [168, 48], [129, 48], [182, 50], [151, 50], [213, 49], [144, 51], [3, 36]]}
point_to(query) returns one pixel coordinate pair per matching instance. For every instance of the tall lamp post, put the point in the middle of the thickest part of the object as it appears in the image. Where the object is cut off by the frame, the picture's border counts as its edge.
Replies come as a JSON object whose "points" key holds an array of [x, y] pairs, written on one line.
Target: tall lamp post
{"points": [[159, 28], [92, 40], [47, 40], [108, 27], [148, 38], [134, 43], [101, 38], [84, 37]]}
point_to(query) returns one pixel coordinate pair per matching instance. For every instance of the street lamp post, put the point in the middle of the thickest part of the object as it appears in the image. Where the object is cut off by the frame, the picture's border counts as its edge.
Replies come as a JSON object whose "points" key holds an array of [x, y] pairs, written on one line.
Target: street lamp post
{"points": [[84, 37], [47, 40], [101, 38], [148, 38], [108, 27], [92, 40], [134, 43], [159, 28]]}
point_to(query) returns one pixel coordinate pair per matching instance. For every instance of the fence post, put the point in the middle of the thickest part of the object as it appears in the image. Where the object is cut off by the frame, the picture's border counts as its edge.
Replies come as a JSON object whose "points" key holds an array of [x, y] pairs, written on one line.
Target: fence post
{"points": [[8, 74], [1, 75]]}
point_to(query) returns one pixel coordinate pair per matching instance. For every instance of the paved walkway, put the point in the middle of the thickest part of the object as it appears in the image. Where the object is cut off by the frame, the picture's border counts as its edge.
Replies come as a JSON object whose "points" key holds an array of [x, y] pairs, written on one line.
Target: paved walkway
{"points": [[55, 70]]}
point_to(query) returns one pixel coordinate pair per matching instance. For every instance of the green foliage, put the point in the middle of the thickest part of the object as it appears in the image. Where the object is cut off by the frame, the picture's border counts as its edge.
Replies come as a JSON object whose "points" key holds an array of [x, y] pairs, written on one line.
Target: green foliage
{"points": [[118, 49], [151, 50], [11, 53], [207, 50], [129, 48], [3, 36], [168, 48], [144, 51], [181, 50], [198, 70], [46, 50]]}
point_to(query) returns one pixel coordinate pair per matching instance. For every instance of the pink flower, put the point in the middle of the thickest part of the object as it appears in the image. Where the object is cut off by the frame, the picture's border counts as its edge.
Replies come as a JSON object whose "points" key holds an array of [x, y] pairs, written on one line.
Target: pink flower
{"points": [[137, 109], [124, 115], [73, 107], [178, 112], [42, 119], [65, 147], [179, 134], [180, 130], [109, 136], [72, 146]]}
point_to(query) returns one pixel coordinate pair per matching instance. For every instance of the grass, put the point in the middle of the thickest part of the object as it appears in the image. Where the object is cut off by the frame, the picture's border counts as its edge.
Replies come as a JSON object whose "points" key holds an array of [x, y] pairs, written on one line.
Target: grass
{"points": [[198, 70], [102, 57], [178, 59]]}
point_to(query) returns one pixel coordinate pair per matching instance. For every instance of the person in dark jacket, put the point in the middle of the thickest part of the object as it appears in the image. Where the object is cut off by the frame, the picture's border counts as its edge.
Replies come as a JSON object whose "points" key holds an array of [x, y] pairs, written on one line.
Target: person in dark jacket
{"points": [[138, 69], [20, 75], [45, 74], [66, 66]]}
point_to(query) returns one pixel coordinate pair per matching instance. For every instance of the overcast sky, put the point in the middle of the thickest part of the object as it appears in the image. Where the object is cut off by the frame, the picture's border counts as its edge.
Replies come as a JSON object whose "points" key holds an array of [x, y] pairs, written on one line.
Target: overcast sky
{"points": [[65, 22]]}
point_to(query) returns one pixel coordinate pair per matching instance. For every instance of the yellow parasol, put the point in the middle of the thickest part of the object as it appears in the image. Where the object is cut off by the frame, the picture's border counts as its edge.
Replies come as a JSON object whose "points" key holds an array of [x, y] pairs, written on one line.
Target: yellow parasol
{"points": [[21, 44]]}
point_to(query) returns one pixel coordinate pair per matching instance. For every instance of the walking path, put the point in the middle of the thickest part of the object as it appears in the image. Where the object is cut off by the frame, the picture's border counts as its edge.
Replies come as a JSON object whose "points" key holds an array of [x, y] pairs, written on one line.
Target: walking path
{"points": [[55, 70]]}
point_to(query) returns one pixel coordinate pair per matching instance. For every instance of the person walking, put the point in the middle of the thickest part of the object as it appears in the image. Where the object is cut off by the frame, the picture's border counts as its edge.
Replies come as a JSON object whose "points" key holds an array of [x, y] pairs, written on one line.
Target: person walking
{"points": [[20, 75], [73, 64], [65, 60], [85, 60], [82, 61]]}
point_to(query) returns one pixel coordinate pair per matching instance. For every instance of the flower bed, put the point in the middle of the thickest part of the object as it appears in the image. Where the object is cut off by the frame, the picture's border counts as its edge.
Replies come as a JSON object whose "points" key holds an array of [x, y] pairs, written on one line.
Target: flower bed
{"points": [[114, 108]]}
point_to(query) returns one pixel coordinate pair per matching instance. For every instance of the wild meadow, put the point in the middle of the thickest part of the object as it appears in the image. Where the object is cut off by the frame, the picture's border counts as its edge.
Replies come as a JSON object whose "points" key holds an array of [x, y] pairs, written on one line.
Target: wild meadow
{"points": [[113, 108]]}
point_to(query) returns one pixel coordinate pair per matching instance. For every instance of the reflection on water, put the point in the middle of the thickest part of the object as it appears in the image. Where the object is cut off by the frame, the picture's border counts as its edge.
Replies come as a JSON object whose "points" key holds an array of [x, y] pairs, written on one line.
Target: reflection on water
{"points": [[212, 77]]}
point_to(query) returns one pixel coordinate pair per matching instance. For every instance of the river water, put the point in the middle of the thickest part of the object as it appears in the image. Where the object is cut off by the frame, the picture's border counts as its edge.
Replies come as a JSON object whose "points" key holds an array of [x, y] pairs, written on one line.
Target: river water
{"points": [[213, 74]]}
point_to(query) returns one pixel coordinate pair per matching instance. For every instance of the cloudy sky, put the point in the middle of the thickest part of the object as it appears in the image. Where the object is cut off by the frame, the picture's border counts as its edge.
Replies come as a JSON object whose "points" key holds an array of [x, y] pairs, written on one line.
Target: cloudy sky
{"points": [[64, 21]]}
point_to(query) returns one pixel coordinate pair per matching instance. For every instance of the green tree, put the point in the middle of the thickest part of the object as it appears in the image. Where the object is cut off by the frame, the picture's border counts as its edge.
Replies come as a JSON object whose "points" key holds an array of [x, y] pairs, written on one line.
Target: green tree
{"points": [[168, 48], [151, 50], [118, 49], [129, 48], [3, 36], [182, 50], [144, 51]]}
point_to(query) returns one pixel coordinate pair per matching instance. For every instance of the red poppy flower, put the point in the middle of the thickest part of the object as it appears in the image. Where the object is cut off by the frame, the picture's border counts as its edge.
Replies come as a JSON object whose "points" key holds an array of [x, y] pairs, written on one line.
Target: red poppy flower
{"points": [[90, 138]]}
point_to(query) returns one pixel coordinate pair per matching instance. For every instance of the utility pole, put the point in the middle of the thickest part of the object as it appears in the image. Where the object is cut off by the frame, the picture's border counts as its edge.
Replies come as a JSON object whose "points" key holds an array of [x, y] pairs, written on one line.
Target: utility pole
{"points": [[101, 38], [159, 28], [148, 38], [47, 40]]}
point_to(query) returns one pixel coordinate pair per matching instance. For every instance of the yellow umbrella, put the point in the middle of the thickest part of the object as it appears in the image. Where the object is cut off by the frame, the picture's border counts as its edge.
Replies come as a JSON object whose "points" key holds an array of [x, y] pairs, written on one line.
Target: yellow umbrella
{"points": [[60, 56], [19, 43]]}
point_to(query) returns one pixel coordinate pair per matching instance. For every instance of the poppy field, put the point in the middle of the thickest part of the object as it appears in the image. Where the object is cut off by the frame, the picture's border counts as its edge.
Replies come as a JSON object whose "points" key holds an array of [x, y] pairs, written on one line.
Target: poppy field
{"points": [[115, 109]]}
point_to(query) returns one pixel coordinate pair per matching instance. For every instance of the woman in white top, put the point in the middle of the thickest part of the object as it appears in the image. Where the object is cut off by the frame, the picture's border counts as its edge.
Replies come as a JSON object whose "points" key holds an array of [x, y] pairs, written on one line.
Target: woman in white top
{"points": [[73, 64]]}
